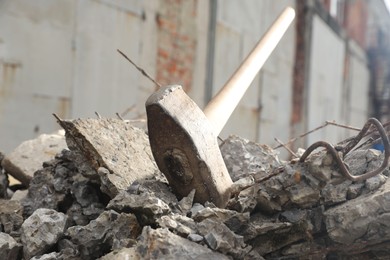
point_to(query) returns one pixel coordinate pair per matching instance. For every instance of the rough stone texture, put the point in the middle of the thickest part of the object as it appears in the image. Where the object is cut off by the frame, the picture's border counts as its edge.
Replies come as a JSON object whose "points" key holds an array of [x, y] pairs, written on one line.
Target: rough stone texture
{"points": [[162, 244], [145, 206], [19, 195], [220, 238], [158, 188], [61, 186], [178, 224], [29, 156], [114, 144], [243, 157], [109, 231], [11, 216], [124, 253], [9, 248], [293, 211], [365, 218], [41, 231], [185, 204], [233, 219]]}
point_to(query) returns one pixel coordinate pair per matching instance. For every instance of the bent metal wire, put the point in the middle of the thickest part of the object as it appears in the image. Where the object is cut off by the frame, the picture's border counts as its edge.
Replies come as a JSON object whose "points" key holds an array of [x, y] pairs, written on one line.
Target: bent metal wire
{"points": [[346, 149]]}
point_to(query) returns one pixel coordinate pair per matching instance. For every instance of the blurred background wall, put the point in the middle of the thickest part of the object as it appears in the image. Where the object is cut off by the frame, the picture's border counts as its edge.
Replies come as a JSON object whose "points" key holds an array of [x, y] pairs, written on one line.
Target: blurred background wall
{"points": [[60, 57]]}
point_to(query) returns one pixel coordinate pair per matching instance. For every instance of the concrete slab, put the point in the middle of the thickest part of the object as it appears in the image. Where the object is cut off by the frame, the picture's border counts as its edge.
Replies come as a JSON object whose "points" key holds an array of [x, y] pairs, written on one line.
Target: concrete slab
{"points": [[29, 155], [119, 152]]}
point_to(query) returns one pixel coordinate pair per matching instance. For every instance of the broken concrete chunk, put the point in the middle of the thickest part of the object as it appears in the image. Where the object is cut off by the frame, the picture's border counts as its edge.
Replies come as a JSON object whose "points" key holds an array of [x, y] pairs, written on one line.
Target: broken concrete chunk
{"points": [[243, 158], [9, 248], [365, 218], [41, 231], [333, 194], [220, 238], [11, 216], [233, 219], [178, 224], [29, 156], [195, 238], [158, 188], [19, 195], [375, 182], [185, 204], [123, 253], [146, 206], [162, 244], [115, 145], [109, 231]]}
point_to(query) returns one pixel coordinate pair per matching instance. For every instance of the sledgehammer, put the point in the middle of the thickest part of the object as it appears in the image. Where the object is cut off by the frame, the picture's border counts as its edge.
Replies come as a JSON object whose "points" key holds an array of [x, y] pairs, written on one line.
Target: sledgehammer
{"points": [[183, 139]]}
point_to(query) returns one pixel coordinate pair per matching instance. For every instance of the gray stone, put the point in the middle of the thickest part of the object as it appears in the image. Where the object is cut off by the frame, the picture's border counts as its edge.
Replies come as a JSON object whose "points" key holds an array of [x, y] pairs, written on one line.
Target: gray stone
{"points": [[178, 224], [365, 218], [294, 215], [29, 156], [9, 248], [114, 144], [245, 201], [50, 256], [260, 224], [362, 161], [123, 253], [109, 231], [375, 182], [195, 238], [195, 208], [354, 190], [243, 157], [334, 194], [319, 167], [185, 204], [146, 206], [162, 244], [66, 254], [19, 195], [233, 219], [220, 238], [303, 195], [61, 186], [41, 231], [11, 216], [41, 193], [158, 188]]}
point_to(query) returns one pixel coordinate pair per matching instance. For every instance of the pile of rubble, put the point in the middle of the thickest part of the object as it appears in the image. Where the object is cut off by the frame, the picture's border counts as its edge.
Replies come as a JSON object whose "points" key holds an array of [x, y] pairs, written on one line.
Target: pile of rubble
{"points": [[101, 195]]}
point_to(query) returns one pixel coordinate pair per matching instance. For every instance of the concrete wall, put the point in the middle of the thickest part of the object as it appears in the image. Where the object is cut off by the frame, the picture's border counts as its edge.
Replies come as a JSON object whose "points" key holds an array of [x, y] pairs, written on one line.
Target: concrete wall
{"points": [[338, 83], [325, 86], [264, 112]]}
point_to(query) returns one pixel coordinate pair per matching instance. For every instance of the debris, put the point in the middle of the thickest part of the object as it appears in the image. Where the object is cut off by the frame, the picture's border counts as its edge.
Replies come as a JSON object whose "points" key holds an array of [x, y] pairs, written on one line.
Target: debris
{"points": [[9, 248], [114, 144], [245, 158], [161, 243], [11, 216], [29, 156], [146, 206], [283, 210], [109, 231], [41, 231]]}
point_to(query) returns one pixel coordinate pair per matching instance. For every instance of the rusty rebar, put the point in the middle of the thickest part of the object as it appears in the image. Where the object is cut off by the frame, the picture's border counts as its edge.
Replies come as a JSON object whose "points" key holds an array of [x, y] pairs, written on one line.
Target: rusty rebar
{"points": [[336, 156]]}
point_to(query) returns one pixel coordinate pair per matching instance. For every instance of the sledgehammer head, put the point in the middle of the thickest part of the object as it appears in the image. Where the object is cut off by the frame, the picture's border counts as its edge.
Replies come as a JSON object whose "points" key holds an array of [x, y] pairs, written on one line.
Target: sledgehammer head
{"points": [[185, 147]]}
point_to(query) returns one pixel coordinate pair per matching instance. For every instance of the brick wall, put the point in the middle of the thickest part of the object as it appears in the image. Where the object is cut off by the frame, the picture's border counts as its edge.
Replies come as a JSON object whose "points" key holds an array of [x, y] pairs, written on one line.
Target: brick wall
{"points": [[176, 42]]}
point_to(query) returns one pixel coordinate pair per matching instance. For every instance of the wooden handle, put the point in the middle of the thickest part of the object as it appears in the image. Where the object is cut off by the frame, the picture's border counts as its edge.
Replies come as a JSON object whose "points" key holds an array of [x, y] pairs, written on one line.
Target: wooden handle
{"points": [[219, 109]]}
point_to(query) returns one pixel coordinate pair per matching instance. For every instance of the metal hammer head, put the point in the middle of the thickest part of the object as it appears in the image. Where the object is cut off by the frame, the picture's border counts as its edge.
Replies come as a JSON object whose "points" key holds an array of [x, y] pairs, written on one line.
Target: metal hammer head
{"points": [[185, 147]]}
